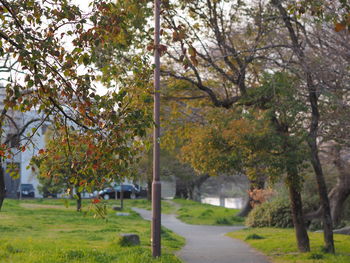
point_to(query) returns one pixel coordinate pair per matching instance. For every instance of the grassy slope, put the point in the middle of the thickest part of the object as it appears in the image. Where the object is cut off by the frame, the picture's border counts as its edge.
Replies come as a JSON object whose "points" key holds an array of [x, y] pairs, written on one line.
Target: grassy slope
{"points": [[192, 212], [280, 245], [203, 214], [48, 232]]}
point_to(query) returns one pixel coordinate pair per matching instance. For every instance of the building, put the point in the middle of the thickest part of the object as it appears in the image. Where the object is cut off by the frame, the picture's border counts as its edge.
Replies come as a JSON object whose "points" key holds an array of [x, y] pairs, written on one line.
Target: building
{"points": [[18, 129]]}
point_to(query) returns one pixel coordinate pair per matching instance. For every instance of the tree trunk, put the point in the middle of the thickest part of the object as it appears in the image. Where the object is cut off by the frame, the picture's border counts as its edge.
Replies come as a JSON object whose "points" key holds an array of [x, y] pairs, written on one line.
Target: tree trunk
{"points": [[297, 212], [180, 189], [196, 184], [313, 132], [316, 164], [79, 202], [2, 185], [338, 196], [187, 188], [246, 208], [254, 184], [323, 193], [341, 190]]}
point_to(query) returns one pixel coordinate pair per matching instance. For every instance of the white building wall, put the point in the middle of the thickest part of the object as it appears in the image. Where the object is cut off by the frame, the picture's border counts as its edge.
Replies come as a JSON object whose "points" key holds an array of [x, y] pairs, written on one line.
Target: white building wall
{"points": [[28, 176]]}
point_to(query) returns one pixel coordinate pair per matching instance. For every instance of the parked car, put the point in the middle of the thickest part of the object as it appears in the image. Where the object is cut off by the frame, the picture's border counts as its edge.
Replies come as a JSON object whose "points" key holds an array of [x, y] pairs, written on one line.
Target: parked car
{"points": [[26, 190], [129, 191], [49, 195]]}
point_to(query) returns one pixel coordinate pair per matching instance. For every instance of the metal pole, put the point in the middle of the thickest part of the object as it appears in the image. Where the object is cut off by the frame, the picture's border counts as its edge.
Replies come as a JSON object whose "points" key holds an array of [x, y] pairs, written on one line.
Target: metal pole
{"points": [[156, 186]]}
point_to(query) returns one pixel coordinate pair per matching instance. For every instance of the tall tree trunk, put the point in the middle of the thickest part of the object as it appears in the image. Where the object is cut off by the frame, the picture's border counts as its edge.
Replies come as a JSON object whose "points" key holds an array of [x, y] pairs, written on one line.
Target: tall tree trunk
{"points": [[323, 194], [2, 185], [316, 164], [78, 202], [297, 211]]}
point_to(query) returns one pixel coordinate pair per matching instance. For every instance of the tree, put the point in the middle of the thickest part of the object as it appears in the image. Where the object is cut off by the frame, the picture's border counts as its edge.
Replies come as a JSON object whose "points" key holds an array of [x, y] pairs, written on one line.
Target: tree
{"points": [[221, 59], [314, 126], [59, 80], [70, 159], [218, 50]]}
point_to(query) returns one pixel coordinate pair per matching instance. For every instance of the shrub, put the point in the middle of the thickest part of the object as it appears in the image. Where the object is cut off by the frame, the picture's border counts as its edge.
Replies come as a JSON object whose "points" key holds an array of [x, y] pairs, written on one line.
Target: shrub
{"points": [[274, 213], [207, 212], [316, 256], [253, 236], [223, 221]]}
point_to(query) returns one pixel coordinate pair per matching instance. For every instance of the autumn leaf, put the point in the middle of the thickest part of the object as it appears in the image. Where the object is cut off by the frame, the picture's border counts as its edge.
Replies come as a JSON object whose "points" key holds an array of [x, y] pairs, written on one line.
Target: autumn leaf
{"points": [[192, 51], [339, 27], [95, 201], [150, 47]]}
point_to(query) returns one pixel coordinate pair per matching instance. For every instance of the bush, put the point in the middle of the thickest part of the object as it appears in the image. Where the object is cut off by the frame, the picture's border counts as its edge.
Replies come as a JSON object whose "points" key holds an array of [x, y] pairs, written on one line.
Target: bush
{"points": [[254, 237], [223, 221], [274, 213]]}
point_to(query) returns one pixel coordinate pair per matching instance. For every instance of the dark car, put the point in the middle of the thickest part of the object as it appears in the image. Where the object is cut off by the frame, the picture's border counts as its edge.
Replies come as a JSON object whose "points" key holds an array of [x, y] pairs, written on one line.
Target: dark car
{"points": [[49, 195], [26, 190], [129, 191]]}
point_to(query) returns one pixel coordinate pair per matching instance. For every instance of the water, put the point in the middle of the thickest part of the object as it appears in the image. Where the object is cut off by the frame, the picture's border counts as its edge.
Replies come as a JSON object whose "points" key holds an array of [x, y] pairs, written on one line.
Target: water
{"points": [[235, 203]]}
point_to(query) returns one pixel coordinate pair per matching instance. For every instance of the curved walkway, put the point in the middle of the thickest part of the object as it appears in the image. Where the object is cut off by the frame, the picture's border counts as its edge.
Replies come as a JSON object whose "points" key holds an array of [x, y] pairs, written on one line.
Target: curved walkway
{"points": [[208, 244]]}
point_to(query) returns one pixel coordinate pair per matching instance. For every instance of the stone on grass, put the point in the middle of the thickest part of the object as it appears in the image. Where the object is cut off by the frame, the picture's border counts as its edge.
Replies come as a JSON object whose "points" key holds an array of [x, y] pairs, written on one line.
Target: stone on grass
{"points": [[116, 208], [127, 240], [122, 214]]}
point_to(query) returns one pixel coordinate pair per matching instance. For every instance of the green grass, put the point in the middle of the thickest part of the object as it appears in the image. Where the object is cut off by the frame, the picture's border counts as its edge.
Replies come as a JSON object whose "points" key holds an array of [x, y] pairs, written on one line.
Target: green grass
{"points": [[280, 245], [45, 231], [192, 212], [167, 208], [188, 211]]}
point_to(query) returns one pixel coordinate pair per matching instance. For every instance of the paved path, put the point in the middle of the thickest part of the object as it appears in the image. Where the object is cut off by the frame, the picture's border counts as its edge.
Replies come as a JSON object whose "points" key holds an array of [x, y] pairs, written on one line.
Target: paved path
{"points": [[208, 244]]}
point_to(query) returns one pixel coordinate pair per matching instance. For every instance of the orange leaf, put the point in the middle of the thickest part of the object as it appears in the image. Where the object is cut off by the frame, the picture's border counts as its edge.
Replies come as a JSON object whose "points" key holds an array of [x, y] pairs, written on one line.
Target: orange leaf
{"points": [[95, 201], [339, 27]]}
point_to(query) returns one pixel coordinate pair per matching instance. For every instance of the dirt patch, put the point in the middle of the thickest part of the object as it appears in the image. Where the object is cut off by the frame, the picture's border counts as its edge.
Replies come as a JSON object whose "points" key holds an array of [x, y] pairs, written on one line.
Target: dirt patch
{"points": [[2, 216], [37, 206]]}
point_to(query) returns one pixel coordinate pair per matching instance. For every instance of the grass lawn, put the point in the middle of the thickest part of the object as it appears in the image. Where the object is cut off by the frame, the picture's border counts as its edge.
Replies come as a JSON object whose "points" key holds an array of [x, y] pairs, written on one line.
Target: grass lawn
{"points": [[193, 212], [46, 231], [280, 245]]}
